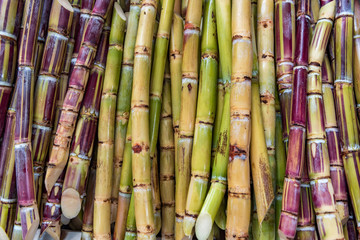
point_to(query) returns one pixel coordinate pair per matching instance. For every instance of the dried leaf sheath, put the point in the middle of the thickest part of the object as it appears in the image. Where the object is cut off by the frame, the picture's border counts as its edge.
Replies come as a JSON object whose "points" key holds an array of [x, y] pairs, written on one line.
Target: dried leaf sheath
{"points": [[141, 165], [285, 54], [47, 84], [345, 101], [75, 92], [81, 149], [296, 151], [10, 18], [29, 213], [189, 88]]}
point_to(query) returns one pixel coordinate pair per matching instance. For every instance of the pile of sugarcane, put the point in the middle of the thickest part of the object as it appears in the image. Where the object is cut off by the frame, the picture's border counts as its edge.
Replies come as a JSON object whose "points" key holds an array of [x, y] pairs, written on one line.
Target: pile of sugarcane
{"points": [[214, 119]]}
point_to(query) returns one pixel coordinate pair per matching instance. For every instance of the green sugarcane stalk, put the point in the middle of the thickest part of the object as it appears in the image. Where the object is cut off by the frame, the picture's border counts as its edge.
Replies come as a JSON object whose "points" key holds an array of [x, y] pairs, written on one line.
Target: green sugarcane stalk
{"points": [[125, 188], [123, 100], [189, 88], [205, 115], [141, 164], [156, 88], [130, 233]]}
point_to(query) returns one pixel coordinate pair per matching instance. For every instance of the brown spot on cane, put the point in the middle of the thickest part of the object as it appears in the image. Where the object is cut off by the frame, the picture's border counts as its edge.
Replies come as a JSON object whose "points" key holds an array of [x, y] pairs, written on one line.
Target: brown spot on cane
{"points": [[265, 25], [189, 87], [266, 181], [236, 151], [137, 148]]}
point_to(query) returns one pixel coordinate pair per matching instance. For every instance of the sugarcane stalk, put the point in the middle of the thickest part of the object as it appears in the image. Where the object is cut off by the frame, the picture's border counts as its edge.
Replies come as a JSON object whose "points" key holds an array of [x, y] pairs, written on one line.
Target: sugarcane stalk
{"points": [[43, 31], [220, 218], [184, 6], [177, 7], [141, 165], [52, 210], [46, 88], [280, 157], [205, 115], [8, 189], [29, 213], [337, 172], [156, 87], [123, 100], [356, 51], [130, 233], [189, 88], [87, 226], [350, 232], [102, 216], [85, 14], [175, 56], [17, 231], [327, 218], [125, 188], [265, 47], [306, 228], [285, 54], [10, 18], [345, 101], [75, 92], [297, 135], [239, 199], [260, 167], [167, 162], [81, 149]]}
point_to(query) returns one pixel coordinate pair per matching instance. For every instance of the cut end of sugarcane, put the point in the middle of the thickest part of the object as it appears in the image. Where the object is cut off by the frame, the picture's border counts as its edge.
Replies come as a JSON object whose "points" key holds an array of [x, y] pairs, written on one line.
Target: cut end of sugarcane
{"points": [[203, 226], [157, 219], [3, 234], [30, 221], [64, 220], [54, 230], [70, 203], [188, 226], [66, 5], [119, 11], [52, 175]]}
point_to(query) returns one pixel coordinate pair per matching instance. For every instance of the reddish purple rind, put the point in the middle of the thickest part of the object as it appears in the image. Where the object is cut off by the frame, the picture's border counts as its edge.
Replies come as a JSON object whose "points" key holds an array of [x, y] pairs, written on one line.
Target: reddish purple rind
{"points": [[318, 159], [77, 174], [344, 7], [24, 175], [46, 101], [91, 102], [6, 146], [83, 60], [9, 58], [343, 27], [351, 230], [306, 213], [63, 23], [18, 19], [326, 76], [53, 54], [87, 5], [83, 143], [324, 2], [25, 78], [296, 152], [102, 50], [302, 35], [323, 196], [52, 207], [77, 81], [40, 146], [27, 42], [285, 102], [333, 142], [83, 19], [43, 26], [92, 36], [291, 196], [90, 195], [298, 106], [286, 7], [5, 93], [101, 8], [287, 225]]}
